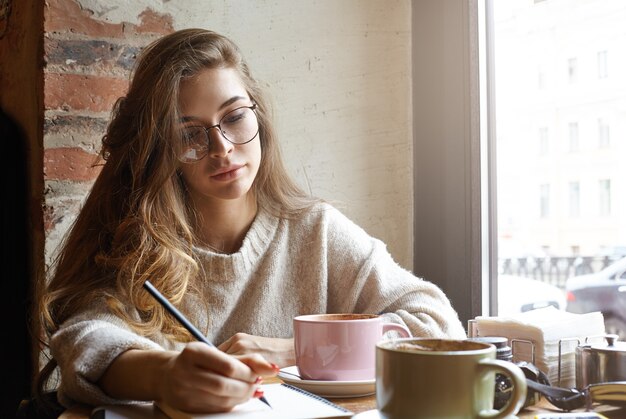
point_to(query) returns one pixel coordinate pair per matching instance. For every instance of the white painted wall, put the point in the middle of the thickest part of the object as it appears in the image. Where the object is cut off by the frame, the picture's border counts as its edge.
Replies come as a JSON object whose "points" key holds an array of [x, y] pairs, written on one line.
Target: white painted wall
{"points": [[339, 72]]}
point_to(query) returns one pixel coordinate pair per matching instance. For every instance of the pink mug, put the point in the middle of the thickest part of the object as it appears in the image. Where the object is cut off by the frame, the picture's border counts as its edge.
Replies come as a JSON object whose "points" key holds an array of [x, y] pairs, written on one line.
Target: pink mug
{"points": [[339, 347]]}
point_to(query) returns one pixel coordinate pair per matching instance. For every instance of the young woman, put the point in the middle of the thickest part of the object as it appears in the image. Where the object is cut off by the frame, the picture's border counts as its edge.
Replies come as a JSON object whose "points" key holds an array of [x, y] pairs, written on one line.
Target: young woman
{"points": [[194, 197]]}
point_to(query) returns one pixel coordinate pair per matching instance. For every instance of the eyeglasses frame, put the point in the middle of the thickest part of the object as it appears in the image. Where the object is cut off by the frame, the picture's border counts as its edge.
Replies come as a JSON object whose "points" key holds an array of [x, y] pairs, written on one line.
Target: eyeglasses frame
{"points": [[252, 107]]}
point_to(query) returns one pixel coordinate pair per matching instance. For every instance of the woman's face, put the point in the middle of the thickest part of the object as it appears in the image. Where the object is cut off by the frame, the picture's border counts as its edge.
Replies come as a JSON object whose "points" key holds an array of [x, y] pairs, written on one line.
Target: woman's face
{"points": [[228, 170]]}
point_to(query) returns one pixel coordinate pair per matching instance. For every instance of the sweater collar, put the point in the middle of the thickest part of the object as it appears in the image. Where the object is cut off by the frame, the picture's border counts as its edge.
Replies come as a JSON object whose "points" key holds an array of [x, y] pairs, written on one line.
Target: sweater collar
{"points": [[255, 244]]}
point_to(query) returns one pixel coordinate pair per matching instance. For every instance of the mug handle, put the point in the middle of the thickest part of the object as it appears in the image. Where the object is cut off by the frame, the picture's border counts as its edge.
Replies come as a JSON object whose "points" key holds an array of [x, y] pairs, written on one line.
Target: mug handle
{"points": [[518, 396], [387, 327]]}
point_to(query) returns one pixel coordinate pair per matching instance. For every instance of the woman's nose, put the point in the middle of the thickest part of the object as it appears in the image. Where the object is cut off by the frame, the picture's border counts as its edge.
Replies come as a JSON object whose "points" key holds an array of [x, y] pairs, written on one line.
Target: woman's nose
{"points": [[218, 144]]}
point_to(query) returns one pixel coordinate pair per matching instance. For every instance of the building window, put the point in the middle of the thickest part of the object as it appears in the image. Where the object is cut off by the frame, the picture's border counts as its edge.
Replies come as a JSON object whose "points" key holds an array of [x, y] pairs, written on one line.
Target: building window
{"points": [[605, 197], [572, 70], [544, 145], [544, 200], [574, 199], [603, 134], [603, 71], [573, 137]]}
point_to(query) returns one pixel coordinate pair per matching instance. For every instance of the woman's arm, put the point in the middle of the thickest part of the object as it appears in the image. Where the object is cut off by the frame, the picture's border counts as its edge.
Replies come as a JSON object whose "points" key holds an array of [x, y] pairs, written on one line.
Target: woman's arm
{"points": [[101, 361], [197, 379], [364, 278]]}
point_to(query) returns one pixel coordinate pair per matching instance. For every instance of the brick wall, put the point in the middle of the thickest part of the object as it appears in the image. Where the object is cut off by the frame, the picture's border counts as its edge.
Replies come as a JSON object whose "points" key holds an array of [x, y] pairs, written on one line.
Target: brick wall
{"points": [[88, 61]]}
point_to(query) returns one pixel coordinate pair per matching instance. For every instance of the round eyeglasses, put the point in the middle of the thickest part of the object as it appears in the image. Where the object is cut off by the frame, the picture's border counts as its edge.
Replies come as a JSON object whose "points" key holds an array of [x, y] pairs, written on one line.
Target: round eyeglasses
{"points": [[239, 126]]}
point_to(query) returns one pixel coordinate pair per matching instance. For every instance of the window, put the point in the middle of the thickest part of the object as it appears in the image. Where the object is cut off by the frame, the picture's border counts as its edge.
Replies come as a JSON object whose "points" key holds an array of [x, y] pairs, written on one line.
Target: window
{"points": [[603, 134], [605, 197], [522, 38], [568, 208], [544, 200], [544, 146], [603, 71], [574, 199], [572, 70], [573, 137]]}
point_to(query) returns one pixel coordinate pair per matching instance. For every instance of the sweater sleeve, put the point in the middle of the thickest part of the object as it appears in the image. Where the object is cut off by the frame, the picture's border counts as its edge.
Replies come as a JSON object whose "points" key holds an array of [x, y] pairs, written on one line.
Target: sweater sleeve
{"points": [[84, 347], [364, 278]]}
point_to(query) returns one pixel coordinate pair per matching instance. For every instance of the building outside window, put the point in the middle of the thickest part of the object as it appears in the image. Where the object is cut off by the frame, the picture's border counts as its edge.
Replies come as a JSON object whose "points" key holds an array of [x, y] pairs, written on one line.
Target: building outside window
{"points": [[566, 209]]}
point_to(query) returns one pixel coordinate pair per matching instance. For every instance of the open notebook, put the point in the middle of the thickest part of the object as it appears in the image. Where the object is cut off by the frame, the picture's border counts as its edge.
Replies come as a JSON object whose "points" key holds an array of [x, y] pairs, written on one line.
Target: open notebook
{"points": [[287, 402]]}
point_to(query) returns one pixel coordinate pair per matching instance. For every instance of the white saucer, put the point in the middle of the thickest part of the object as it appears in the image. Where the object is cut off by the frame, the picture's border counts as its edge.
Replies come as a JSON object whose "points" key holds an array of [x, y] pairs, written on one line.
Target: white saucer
{"points": [[330, 389]]}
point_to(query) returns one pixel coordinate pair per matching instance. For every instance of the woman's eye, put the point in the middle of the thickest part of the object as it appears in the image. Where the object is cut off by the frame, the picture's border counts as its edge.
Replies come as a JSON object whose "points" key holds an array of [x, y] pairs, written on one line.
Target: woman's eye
{"points": [[193, 135], [234, 117]]}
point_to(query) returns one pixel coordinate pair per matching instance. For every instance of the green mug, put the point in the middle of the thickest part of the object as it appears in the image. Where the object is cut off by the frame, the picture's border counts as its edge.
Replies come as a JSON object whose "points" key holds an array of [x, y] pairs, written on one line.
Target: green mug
{"points": [[442, 378]]}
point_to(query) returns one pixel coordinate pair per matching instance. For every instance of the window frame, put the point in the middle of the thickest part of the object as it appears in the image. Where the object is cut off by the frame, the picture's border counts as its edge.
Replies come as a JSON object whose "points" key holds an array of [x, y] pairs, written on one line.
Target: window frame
{"points": [[454, 154]]}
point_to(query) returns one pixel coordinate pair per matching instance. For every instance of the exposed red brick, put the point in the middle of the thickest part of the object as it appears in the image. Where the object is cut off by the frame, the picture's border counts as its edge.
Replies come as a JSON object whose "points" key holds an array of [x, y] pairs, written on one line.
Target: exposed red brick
{"points": [[70, 164], [68, 16], [74, 91], [153, 22]]}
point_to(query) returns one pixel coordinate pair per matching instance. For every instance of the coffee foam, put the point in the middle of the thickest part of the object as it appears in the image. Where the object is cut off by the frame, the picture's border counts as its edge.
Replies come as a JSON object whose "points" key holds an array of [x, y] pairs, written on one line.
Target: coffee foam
{"points": [[434, 345], [341, 317]]}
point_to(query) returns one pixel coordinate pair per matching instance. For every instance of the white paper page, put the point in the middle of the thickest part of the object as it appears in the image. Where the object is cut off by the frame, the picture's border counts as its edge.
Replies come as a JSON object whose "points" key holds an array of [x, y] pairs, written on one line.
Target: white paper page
{"points": [[287, 403]]}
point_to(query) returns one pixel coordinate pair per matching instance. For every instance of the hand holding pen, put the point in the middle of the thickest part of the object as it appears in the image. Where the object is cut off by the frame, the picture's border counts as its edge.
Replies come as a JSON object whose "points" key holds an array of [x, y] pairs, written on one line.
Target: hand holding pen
{"points": [[192, 329]]}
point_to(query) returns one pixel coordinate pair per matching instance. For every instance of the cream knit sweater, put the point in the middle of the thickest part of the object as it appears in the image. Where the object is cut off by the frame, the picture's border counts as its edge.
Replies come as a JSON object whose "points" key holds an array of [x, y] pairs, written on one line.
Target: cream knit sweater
{"points": [[319, 263]]}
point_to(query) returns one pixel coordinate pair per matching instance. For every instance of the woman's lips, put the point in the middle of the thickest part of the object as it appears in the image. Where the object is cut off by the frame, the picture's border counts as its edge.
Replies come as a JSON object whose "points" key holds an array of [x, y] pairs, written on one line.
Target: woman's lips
{"points": [[227, 173]]}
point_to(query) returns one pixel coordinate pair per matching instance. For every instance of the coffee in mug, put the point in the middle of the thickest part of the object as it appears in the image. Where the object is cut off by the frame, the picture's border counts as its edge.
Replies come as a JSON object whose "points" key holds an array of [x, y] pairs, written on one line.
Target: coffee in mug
{"points": [[442, 378], [339, 347]]}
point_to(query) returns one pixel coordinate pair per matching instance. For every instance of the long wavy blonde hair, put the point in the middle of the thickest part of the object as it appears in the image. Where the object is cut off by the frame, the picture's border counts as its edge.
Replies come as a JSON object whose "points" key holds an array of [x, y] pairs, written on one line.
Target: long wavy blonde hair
{"points": [[137, 223]]}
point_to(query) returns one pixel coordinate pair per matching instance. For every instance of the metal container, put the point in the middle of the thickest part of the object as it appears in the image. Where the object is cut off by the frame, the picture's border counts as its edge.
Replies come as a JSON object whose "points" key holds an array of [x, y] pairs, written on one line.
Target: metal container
{"points": [[600, 363]]}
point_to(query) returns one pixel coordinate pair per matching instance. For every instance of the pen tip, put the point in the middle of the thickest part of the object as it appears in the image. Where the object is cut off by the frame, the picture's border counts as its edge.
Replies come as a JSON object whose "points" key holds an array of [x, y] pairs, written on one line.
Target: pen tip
{"points": [[264, 400]]}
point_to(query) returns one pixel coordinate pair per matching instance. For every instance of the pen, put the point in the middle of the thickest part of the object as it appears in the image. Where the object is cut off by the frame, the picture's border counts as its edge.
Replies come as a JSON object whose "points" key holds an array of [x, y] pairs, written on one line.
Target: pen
{"points": [[182, 319]]}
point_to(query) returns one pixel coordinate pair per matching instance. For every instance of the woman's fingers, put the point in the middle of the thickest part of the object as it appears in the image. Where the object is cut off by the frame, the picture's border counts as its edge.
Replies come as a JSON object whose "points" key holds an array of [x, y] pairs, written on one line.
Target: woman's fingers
{"points": [[226, 389], [258, 364], [205, 379], [226, 345], [212, 359]]}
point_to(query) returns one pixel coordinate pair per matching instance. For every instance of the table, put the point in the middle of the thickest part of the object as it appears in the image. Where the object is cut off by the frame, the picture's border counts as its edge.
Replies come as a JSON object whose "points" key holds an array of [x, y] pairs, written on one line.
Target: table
{"points": [[362, 404]]}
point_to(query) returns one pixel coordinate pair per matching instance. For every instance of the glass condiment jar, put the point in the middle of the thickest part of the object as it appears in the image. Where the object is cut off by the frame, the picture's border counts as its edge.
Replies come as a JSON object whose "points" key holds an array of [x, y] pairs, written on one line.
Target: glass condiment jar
{"points": [[503, 385]]}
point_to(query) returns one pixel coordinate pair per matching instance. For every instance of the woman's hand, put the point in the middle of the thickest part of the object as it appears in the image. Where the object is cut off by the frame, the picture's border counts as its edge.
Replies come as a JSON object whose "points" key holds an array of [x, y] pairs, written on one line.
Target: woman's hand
{"points": [[199, 379], [204, 379], [275, 350]]}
